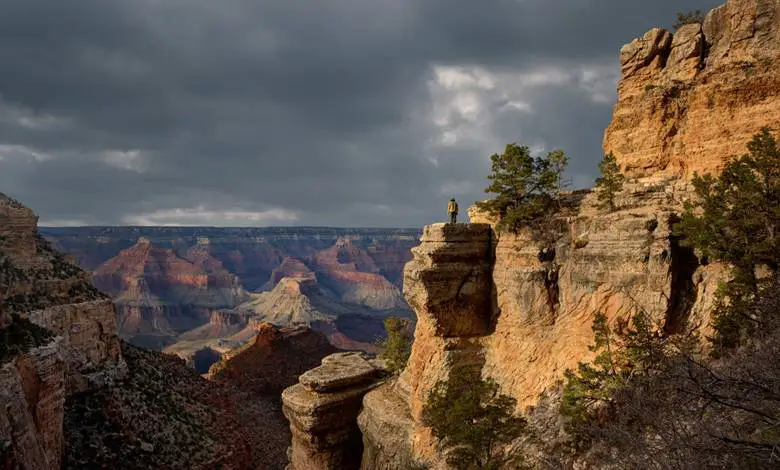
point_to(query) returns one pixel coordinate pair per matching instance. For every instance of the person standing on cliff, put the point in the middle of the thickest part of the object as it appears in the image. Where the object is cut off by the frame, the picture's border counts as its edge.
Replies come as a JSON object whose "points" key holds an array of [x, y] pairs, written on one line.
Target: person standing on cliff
{"points": [[452, 208]]}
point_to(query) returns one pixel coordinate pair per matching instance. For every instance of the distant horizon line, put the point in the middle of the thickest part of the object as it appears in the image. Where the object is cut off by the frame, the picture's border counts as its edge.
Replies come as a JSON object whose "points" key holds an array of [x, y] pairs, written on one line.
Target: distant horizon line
{"points": [[228, 227]]}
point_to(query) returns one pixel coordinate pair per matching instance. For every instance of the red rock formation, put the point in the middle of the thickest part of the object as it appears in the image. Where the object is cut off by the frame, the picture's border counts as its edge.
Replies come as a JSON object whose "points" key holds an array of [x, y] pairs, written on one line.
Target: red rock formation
{"points": [[290, 267], [273, 360], [352, 274], [159, 293]]}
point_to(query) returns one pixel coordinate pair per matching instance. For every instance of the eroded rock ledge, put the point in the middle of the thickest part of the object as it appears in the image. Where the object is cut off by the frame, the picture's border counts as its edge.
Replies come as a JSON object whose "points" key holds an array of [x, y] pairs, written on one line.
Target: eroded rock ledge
{"points": [[322, 409]]}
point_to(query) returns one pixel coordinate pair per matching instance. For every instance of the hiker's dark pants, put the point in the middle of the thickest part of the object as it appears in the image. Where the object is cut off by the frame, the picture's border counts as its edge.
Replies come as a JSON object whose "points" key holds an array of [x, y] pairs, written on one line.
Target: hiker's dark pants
{"points": [[453, 217]]}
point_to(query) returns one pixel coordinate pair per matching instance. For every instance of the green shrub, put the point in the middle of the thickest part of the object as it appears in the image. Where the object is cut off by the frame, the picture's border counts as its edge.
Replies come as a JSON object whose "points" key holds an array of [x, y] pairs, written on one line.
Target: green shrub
{"points": [[20, 336], [589, 391], [690, 17], [397, 346], [472, 421]]}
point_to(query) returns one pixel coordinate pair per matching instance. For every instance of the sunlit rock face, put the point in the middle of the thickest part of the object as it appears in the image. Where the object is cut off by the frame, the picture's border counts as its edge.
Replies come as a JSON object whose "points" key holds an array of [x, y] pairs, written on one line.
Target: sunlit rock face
{"points": [[690, 100]]}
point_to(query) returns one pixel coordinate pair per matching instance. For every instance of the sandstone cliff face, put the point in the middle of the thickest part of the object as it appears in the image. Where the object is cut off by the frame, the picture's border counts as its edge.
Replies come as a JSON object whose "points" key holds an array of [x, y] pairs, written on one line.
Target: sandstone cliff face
{"points": [[690, 100], [32, 395], [448, 284]]}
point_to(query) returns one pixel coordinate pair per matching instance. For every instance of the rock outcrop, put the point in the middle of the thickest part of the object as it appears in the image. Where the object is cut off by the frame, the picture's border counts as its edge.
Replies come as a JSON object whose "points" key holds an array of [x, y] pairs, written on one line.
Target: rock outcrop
{"points": [[32, 395], [59, 338], [323, 408], [689, 101], [273, 360]]}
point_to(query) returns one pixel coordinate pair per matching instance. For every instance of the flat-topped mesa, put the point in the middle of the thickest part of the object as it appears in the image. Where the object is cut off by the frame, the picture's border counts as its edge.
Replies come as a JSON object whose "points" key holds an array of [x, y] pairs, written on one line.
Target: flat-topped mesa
{"points": [[323, 408], [689, 101]]}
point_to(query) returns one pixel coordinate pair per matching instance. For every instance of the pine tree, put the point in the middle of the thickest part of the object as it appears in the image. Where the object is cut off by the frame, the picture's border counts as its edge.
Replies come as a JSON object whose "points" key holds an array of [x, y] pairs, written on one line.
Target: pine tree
{"points": [[473, 421], [736, 218], [398, 344], [609, 183], [526, 188]]}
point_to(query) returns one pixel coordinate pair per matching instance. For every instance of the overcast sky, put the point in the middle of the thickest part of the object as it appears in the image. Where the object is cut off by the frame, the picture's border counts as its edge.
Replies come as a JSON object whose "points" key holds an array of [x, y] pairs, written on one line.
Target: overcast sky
{"points": [[292, 112]]}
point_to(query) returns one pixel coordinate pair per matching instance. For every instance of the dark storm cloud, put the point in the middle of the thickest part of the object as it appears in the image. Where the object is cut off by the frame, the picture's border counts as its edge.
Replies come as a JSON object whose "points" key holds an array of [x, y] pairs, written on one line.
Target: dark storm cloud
{"points": [[346, 112]]}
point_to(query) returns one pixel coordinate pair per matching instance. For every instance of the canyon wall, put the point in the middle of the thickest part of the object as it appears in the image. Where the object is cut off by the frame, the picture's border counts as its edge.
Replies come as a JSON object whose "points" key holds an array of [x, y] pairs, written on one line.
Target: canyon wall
{"points": [[59, 338], [166, 282], [688, 102]]}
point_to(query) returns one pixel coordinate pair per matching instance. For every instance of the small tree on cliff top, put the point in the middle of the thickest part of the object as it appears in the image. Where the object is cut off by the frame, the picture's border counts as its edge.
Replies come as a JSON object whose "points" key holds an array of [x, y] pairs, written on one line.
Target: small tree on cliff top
{"points": [[736, 218], [526, 188], [610, 182], [690, 17]]}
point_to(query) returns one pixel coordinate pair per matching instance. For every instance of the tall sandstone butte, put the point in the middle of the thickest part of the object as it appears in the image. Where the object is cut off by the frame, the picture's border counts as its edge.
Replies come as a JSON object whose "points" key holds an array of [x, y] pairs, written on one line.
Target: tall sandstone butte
{"points": [[690, 100]]}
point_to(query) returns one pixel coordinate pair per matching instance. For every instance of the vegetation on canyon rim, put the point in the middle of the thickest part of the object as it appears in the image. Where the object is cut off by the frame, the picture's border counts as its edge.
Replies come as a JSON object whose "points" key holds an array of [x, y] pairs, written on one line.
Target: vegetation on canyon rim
{"points": [[20, 336], [736, 218], [526, 188], [689, 17], [659, 401]]}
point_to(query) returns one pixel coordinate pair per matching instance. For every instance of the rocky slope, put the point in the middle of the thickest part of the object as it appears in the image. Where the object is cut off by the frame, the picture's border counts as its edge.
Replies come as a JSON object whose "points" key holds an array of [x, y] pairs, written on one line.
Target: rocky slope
{"points": [[521, 313]]}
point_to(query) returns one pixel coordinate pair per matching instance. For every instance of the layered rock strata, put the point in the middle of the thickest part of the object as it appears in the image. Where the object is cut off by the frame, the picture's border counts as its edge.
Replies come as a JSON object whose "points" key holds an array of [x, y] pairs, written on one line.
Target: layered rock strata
{"points": [[32, 399], [46, 299], [323, 408], [689, 100], [448, 284], [90, 340]]}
